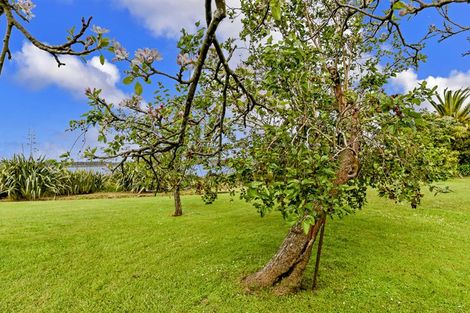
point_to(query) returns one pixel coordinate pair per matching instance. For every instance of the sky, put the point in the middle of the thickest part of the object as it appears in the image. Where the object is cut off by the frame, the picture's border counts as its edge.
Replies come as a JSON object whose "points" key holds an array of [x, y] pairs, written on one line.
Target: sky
{"points": [[38, 97]]}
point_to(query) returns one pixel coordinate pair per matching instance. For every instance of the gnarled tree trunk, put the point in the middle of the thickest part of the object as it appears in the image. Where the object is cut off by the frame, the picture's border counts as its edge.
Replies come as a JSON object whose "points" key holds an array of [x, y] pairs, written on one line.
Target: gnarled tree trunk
{"points": [[177, 198], [285, 269]]}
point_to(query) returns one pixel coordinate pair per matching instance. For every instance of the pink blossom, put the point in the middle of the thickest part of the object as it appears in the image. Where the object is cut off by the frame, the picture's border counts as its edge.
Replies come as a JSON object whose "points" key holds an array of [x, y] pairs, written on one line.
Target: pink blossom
{"points": [[89, 41], [182, 59], [153, 113]]}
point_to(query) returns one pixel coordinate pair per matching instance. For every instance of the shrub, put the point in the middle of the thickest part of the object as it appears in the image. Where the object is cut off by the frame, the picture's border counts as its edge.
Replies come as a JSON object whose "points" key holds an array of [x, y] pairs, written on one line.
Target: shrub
{"points": [[464, 169]]}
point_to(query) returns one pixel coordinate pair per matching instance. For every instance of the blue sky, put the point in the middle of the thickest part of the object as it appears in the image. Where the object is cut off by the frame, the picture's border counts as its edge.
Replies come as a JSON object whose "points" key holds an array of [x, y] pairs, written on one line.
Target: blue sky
{"points": [[35, 95]]}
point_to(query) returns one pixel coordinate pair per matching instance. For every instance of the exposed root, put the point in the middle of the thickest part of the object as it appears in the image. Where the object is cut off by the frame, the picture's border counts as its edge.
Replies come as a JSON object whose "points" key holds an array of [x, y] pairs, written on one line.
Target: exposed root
{"points": [[285, 270]]}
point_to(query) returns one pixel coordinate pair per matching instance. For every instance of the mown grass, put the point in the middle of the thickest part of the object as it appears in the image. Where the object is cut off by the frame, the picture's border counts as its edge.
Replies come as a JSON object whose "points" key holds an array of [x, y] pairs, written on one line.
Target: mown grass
{"points": [[130, 255]]}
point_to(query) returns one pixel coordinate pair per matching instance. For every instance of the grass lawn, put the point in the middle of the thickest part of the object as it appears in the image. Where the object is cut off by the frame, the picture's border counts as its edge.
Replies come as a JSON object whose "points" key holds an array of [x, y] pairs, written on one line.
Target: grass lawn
{"points": [[130, 255]]}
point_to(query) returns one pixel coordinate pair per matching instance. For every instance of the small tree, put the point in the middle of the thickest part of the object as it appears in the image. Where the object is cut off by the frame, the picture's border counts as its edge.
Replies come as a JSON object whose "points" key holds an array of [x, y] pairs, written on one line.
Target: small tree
{"points": [[134, 130], [173, 171]]}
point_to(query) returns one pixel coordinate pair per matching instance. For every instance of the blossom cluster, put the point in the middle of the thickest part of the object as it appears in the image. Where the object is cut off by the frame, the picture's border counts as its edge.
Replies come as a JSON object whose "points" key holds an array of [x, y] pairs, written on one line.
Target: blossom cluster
{"points": [[26, 6], [146, 56], [184, 59], [133, 102], [99, 30], [120, 52]]}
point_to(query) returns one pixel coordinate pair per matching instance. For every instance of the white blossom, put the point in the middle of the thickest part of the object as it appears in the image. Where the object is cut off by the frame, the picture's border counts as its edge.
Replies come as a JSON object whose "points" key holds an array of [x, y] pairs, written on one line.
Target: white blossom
{"points": [[119, 51], [146, 56], [26, 6], [99, 30]]}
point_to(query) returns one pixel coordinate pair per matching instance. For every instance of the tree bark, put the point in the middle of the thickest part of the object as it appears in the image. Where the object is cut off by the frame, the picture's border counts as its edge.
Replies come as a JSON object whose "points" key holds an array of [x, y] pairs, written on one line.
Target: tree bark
{"points": [[285, 269], [177, 198]]}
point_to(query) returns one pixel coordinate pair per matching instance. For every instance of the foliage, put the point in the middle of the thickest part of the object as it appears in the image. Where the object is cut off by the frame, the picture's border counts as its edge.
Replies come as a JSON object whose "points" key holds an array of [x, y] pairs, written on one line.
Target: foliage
{"points": [[129, 254], [461, 143], [24, 178], [464, 169], [454, 133], [330, 129]]}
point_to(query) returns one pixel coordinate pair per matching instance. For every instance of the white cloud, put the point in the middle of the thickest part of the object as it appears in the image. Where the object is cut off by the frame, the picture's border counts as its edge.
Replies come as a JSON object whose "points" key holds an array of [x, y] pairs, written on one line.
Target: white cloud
{"points": [[166, 18], [407, 80], [38, 69]]}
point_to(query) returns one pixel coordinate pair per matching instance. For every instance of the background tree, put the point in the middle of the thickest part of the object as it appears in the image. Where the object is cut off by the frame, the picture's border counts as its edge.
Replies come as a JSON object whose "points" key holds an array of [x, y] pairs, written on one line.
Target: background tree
{"points": [[133, 130], [173, 172]]}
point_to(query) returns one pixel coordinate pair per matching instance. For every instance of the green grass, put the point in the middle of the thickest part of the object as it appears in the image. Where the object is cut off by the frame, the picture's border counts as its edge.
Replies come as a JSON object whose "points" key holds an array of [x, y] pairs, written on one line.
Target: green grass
{"points": [[130, 255]]}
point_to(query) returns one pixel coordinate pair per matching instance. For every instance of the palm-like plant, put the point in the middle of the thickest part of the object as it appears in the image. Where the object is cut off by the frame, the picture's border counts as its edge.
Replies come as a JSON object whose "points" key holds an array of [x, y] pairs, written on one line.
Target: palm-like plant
{"points": [[454, 103]]}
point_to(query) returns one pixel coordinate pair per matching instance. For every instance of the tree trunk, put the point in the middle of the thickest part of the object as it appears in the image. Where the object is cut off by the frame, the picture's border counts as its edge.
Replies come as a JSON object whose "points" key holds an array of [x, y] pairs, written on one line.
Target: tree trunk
{"points": [[285, 269], [176, 196]]}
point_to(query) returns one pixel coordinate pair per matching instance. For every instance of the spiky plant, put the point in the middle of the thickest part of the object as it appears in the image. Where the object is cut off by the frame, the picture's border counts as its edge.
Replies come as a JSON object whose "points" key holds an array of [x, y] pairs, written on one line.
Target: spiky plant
{"points": [[454, 103], [135, 177], [85, 182], [24, 178]]}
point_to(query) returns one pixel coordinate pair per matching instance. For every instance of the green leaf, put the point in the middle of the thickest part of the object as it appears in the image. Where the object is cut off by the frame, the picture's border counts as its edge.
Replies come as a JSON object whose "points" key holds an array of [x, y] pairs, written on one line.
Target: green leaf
{"points": [[276, 9], [399, 5], [306, 226], [138, 89], [128, 80], [102, 60]]}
